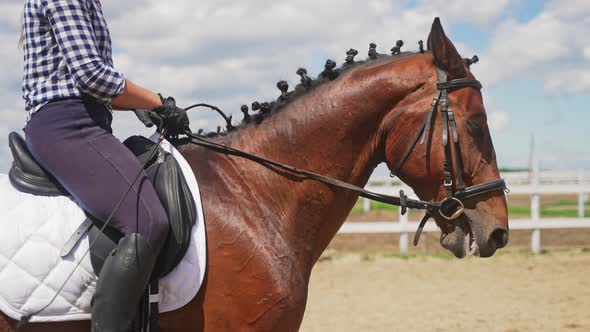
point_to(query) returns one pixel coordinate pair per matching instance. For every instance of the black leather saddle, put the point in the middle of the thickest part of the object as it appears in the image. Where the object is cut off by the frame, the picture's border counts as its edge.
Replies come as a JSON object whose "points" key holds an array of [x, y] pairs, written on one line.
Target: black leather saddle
{"points": [[27, 175]]}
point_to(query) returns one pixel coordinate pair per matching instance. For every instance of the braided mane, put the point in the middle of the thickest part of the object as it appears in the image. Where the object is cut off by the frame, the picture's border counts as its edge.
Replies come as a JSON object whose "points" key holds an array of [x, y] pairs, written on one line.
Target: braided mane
{"points": [[331, 73]]}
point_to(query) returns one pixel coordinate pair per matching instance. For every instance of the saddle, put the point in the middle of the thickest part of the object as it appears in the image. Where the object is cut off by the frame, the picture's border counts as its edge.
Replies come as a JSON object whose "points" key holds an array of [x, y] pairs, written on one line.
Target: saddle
{"points": [[28, 176]]}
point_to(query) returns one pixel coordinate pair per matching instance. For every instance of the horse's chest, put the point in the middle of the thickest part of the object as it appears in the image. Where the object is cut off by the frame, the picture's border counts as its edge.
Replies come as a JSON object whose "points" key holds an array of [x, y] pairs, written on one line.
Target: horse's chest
{"points": [[258, 284], [278, 305]]}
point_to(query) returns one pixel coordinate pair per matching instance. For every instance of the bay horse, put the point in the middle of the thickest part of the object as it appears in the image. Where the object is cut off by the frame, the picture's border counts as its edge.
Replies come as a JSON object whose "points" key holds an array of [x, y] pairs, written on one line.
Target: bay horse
{"points": [[265, 231]]}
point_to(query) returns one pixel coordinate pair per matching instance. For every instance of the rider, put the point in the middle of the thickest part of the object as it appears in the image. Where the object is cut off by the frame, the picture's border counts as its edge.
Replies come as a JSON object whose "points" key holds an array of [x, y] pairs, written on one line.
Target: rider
{"points": [[70, 88]]}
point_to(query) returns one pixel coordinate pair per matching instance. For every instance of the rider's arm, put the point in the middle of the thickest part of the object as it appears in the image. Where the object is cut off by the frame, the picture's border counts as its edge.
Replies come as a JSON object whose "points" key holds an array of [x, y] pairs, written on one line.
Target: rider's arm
{"points": [[136, 97]]}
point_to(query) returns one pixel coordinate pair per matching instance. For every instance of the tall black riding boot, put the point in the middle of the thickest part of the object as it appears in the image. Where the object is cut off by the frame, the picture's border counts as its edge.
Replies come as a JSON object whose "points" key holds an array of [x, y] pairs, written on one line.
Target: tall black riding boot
{"points": [[121, 283]]}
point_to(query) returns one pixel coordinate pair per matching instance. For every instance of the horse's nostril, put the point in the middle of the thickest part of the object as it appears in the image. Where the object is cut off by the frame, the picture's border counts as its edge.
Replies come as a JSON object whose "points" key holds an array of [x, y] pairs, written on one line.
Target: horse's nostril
{"points": [[500, 237]]}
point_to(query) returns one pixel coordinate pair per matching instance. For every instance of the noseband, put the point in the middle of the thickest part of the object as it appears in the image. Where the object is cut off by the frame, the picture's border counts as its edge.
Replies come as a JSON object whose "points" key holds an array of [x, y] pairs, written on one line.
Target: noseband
{"points": [[451, 208]]}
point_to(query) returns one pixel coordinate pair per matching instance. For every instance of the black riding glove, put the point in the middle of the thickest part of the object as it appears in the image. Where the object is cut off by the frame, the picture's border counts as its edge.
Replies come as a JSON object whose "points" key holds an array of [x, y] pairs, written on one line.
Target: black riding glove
{"points": [[169, 117]]}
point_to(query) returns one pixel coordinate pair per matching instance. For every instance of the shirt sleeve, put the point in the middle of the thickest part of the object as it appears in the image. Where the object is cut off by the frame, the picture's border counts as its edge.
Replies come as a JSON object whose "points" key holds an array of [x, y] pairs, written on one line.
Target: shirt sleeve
{"points": [[75, 36]]}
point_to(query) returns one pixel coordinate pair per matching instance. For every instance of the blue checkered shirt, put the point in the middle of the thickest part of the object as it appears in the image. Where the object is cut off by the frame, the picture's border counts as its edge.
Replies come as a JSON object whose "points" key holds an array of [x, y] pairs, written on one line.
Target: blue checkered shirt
{"points": [[67, 53]]}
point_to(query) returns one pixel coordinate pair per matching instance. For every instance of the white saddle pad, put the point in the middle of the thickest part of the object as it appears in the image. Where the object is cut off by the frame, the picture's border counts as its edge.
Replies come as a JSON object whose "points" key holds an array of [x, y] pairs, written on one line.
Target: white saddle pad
{"points": [[34, 229]]}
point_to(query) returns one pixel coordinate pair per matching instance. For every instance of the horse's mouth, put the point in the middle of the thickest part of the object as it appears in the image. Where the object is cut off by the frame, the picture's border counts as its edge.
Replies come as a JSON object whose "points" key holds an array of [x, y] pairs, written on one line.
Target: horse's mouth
{"points": [[470, 243], [460, 239], [470, 234]]}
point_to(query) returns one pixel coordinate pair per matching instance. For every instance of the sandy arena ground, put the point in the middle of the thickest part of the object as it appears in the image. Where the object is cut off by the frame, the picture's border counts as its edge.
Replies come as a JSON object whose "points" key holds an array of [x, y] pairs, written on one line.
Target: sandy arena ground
{"points": [[512, 292]]}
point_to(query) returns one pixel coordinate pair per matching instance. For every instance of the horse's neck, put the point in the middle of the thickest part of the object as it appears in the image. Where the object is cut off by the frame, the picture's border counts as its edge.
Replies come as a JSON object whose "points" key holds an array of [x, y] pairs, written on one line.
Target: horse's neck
{"points": [[329, 131], [332, 131]]}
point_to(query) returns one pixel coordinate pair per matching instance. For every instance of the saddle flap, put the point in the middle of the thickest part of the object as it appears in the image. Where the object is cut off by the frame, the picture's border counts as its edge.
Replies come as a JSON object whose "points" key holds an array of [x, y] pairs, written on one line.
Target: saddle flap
{"points": [[181, 209]]}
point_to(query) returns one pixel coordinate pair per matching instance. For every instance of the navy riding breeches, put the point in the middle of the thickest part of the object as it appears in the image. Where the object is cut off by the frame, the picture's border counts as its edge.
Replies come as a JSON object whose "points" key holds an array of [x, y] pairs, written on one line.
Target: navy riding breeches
{"points": [[73, 140]]}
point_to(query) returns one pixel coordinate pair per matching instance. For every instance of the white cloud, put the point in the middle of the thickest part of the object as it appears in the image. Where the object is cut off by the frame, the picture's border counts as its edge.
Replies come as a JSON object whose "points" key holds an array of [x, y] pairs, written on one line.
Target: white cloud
{"points": [[232, 52], [568, 82], [552, 44], [482, 12], [498, 121], [10, 15]]}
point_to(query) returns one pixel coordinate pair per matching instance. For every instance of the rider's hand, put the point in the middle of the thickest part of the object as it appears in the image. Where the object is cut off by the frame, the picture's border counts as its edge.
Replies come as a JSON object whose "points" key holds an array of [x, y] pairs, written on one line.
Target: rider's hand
{"points": [[170, 117]]}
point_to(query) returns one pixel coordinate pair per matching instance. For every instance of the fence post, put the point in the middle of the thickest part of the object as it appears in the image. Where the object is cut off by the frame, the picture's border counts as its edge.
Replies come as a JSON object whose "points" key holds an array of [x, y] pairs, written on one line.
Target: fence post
{"points": [[535, 207], [581, 195], [366, 205], [403, 237]]}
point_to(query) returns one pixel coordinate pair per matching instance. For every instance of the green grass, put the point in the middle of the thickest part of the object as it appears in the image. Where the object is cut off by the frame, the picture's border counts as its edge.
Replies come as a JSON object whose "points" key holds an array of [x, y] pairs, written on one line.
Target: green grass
{"points": [[562, 208], [564, 202], [512, 169], [519, 210], [563, 213], [375, 206], [383, 206]]}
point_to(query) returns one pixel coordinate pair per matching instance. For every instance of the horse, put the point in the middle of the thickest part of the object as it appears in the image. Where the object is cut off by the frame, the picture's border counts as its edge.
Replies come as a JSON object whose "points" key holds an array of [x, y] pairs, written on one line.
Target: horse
{"points": [[266, 230]]}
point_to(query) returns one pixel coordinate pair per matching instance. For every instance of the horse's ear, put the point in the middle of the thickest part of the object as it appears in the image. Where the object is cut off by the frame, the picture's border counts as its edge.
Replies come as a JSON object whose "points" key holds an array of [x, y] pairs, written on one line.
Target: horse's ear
{"points": [[445, 53]]}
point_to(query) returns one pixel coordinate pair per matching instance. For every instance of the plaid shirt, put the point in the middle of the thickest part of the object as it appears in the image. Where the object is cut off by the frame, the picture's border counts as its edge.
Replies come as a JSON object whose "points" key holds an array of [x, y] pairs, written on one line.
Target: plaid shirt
{"points": [[67, 53]]}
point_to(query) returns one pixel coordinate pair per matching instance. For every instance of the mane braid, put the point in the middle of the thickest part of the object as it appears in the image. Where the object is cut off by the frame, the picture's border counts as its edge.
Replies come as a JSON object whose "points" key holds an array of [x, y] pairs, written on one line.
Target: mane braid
{"points": [[299, 91]]}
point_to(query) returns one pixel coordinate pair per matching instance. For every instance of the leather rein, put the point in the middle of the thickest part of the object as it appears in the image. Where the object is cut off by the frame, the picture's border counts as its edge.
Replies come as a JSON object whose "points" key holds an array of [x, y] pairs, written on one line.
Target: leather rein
{"points": [[450, 208]]}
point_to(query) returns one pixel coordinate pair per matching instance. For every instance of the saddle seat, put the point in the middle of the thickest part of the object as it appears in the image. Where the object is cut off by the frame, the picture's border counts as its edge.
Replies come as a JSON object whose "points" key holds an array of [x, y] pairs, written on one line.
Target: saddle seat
{"points": [[28, 176]]}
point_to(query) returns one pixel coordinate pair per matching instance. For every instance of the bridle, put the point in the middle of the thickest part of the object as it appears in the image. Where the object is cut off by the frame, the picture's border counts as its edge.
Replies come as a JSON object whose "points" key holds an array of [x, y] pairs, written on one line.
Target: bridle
{"points": [[450, 208]]}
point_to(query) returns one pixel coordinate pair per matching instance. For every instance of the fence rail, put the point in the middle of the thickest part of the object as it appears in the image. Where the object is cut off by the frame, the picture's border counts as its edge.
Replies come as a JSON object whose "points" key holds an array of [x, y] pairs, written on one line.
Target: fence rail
{"points": [[397, 227], [535, 184], [515, 178]]}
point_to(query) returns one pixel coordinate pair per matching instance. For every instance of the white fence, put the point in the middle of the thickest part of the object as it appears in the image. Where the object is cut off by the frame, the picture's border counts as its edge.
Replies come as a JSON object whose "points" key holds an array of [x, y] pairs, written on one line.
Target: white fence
{"points": [[535, 184], [515, 178]]}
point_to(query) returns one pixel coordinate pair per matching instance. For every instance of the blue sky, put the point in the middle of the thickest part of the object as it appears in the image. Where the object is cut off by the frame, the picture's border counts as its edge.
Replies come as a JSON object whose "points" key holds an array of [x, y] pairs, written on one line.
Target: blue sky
{"points": [[534, 58]]}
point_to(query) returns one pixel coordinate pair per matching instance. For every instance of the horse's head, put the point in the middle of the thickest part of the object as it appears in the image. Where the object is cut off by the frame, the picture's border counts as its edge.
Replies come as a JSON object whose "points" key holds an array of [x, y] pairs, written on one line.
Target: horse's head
{"points": [[483, 227]]}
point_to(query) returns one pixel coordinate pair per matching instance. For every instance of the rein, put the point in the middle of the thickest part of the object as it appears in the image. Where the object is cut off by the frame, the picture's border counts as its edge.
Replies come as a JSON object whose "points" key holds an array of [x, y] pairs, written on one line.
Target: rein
{"points": [[450, 208], [403, 201]]}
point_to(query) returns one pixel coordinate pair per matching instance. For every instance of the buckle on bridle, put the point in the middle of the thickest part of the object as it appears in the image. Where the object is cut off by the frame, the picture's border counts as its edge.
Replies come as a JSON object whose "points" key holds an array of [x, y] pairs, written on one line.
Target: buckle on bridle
{"points": [[448, 183], [451, 204]]}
